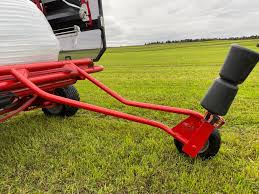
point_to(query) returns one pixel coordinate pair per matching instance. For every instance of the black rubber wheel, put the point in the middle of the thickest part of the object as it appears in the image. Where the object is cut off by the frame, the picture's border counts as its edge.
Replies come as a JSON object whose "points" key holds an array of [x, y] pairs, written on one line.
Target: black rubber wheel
{"points": [[210, 149], [61, 110]]}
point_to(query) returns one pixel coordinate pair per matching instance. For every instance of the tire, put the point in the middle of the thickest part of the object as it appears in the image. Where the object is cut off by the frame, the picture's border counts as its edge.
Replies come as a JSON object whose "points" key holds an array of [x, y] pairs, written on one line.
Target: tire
{"points": [[61, 110], [210, 149]]}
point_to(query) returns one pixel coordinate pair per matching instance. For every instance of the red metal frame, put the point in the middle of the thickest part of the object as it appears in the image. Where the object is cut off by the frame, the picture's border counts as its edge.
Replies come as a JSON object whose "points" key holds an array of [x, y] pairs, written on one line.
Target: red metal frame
{"points": [[34, 86], [35, 83]]}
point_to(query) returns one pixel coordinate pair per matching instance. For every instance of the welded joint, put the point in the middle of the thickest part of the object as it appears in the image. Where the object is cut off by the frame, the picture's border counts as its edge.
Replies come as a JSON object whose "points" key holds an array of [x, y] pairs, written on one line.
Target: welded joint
{"points": [[215, 120]]}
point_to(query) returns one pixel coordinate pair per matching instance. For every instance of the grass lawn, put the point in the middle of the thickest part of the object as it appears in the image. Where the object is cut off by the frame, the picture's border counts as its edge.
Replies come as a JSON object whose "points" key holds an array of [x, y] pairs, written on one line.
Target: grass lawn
{"points": [[93, 153]]}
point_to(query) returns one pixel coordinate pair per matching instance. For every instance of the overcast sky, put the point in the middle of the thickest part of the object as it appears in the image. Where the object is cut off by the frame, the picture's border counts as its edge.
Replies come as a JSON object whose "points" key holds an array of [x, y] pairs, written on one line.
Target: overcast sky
{"points": [[139, 21]]}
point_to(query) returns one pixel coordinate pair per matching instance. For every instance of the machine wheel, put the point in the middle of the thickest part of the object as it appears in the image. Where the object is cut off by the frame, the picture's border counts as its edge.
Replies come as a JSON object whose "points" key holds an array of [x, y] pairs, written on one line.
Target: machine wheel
{"points": [[209, 150], [69, 92]]}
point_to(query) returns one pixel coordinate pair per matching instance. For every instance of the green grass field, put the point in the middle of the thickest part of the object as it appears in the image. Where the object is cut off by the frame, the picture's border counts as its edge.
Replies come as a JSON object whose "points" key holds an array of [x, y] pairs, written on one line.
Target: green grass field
{"points": [[93, 153]]}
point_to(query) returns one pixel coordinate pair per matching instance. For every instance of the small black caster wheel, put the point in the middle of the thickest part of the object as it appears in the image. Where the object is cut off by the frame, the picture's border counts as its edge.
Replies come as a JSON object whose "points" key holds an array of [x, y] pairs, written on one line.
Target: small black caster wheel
{"points": [[210, 149], [62, 110]]}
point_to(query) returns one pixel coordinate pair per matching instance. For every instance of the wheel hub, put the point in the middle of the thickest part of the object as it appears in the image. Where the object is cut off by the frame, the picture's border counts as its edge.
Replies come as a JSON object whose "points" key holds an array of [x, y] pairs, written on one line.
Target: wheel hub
{"points": [[56, 109], [205, 147]]}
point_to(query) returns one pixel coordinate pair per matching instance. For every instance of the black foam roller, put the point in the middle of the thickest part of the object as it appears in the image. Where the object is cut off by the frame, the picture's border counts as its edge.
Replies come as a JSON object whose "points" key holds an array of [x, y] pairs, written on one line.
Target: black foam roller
{"points": [[239, 64], [220, 97]]}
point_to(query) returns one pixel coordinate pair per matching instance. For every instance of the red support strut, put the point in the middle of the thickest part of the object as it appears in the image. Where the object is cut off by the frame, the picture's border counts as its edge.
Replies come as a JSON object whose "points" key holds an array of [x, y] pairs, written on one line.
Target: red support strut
{"points": [[192, 132]]}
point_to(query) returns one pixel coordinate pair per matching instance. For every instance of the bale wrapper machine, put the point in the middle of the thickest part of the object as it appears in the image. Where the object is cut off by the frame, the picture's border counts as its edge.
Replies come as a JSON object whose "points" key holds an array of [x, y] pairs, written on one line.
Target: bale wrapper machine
{"points": [[49, 85]]}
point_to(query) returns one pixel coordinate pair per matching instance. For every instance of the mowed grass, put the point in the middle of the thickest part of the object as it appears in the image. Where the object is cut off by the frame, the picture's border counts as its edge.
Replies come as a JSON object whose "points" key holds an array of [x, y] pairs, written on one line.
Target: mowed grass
{"points": [[93, 153]]}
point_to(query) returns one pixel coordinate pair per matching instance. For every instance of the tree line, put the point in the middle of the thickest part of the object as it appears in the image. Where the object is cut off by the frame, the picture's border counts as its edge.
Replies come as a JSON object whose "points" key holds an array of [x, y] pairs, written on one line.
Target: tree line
{"points": [[203, 39]]}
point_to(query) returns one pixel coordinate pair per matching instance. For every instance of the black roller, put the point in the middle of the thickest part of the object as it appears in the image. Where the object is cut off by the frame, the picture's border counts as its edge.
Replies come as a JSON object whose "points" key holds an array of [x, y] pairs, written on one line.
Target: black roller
{"points": [[239, 64], [237, 67], [219, 97]]}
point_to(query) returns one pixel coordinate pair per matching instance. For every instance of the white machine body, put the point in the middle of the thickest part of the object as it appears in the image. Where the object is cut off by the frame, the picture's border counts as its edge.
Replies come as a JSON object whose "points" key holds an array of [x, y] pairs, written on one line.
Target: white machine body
{"points": [[25, 34]]}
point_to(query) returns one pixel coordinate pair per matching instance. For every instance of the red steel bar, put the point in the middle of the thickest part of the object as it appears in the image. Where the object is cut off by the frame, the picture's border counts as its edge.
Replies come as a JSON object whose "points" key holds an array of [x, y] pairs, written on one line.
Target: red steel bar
{"points": [[46, 87], [20, 109], [45, 65], [138, 104], [64, 69], [69, 102], [7, 110], [61, 74]]}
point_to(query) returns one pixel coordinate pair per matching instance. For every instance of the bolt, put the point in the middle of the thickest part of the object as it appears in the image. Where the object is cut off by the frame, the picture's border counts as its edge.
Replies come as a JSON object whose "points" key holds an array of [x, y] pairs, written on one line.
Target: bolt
{"points": [[194, 147]]}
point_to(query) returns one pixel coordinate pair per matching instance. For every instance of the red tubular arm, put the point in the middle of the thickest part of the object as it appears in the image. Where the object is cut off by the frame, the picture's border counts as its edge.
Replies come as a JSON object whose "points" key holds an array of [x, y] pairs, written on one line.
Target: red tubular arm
{"points": [[138, 104], [61, 100], [20, 109], [44, 65], [193, 132]]}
